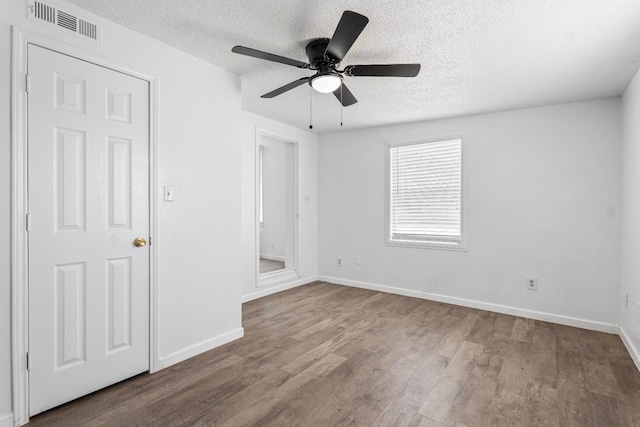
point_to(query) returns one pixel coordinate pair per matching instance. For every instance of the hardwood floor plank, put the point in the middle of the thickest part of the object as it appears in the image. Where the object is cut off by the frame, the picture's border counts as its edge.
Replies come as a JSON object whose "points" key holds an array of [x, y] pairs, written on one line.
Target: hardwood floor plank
{"points": [[614, 346], [510, 396], [628, 379], [269, 266], [453, 340], [483, 328], [440, 403], [569, 365], [402, 409], [503, 326], [600, 379], [542, 366], [543, 336], [327, 399], [263, 406], [312, 329], [476, 395], [575, 405], [541, 406], [422, 421], [135, 417], [611, 412], [424, 345], [171, 386], [325, 355], [522, 330]]}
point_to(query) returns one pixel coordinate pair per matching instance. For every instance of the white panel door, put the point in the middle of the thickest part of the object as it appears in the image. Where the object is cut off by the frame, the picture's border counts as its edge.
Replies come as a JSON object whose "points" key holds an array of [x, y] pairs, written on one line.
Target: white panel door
{"points": [[88, 201]]}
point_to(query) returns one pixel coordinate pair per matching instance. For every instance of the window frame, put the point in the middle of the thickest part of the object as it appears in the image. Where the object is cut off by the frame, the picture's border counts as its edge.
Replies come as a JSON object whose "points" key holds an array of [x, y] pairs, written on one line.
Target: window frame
{"points": [[426, 244]]}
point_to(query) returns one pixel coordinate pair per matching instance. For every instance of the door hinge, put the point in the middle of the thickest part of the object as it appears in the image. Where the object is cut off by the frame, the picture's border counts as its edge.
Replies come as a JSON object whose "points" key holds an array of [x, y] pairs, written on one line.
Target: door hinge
{"points": [[28, 360], [28, 222], [27, 83]]}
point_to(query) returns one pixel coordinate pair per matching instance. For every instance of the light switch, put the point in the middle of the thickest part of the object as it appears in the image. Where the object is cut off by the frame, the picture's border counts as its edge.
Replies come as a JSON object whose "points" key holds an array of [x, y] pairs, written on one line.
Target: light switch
{"points": [[168, 193]]}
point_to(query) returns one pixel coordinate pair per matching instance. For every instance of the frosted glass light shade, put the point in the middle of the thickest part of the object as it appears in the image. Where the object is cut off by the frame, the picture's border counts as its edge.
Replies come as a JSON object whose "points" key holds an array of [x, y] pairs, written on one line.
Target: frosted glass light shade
{"points": [[326, 83]]}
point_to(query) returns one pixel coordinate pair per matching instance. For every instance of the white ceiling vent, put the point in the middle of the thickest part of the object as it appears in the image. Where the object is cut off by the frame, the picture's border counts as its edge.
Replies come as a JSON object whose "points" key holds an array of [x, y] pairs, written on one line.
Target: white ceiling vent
{"points": [[63, 19]]}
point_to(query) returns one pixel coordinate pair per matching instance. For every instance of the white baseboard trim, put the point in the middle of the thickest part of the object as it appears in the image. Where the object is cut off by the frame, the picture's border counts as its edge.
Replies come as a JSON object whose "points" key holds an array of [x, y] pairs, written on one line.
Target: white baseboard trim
{"points": [[194, 350], [6, 420], [503, 309], [279, 288], [277, 277], [272, 257], [632, 349]]}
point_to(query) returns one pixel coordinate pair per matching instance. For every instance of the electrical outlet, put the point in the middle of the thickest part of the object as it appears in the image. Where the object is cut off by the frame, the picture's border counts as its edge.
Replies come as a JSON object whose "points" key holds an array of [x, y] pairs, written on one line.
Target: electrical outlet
{"points": [[532, 283], [357, 260], [168, 193], [273, 245], [339, 262], [638, 312]]}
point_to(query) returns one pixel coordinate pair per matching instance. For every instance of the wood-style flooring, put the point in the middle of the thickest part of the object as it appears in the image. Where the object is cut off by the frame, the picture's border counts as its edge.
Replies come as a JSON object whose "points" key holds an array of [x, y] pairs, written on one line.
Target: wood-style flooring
{"points": [[328, 355], [269, 266]]}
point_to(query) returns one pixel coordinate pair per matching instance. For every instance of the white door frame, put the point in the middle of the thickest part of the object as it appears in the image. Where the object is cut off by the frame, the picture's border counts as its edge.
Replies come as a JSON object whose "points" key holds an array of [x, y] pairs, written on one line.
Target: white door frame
{"points": [[19, 205], [287, 275]]}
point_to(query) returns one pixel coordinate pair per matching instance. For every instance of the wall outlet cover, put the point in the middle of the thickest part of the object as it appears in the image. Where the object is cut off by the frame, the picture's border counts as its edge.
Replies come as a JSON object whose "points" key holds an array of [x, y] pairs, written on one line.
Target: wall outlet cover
{"points": [[168, 193]]}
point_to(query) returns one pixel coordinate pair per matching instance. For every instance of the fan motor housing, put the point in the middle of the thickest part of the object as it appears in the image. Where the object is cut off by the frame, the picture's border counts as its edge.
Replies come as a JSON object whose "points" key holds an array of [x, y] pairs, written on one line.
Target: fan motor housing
{"points": [[315, 52]]}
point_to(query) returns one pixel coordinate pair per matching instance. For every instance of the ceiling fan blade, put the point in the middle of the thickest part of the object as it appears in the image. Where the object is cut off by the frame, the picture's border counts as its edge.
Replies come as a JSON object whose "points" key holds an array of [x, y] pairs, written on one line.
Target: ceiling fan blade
{"points": [[268, 56], [390, 70], [287, 87], [349, 28], [346, 97]]}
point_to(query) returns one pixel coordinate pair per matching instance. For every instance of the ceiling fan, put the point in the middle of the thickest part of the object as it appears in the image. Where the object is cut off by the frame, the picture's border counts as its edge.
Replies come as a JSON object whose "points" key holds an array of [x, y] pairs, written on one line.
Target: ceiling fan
{"points": [[324, 58]]}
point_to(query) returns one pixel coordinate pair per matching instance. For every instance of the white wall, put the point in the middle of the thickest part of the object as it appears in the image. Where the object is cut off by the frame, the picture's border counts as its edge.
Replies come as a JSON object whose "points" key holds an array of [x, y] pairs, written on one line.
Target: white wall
{"points": [[274, 180], [630, 215], [199, 149], [542, 199], [307, 186]]}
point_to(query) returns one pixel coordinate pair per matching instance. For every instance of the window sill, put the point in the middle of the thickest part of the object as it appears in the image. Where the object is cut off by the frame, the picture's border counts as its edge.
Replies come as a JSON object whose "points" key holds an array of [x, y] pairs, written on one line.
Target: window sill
{"points": [[427, 245]]}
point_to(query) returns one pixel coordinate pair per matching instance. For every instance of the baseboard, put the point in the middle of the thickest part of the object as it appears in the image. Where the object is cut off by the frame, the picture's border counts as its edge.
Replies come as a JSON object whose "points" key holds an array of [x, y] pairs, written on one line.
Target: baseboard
{"points": [[514, 311], [275, 289], [278, 277], [632, 349], [6, 420], [272, 257], [194, 350]]}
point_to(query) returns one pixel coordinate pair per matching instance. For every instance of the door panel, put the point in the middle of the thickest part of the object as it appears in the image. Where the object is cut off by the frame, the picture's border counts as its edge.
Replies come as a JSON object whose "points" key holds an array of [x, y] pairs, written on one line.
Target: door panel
{"points": [[88, 201]]}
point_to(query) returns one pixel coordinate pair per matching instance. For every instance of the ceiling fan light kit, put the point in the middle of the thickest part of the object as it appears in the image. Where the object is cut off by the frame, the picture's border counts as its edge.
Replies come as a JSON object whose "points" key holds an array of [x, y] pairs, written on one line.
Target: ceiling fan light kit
{"points": [[325, 56], [326, 83]]}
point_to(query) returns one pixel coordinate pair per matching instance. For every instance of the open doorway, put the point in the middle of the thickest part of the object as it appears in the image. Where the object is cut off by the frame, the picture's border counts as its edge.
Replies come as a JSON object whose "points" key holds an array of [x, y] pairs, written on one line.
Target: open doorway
{"points": [[277, 209]]}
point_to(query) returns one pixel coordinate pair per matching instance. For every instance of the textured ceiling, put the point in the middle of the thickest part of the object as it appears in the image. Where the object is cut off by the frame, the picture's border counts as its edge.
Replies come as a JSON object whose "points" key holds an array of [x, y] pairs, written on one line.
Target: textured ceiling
{"points": [[477, 55]]}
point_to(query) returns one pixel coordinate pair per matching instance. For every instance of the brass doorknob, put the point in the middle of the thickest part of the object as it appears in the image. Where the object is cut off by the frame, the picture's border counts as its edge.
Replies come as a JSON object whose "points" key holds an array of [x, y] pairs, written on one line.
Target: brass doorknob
{"points": [[140, 242]]}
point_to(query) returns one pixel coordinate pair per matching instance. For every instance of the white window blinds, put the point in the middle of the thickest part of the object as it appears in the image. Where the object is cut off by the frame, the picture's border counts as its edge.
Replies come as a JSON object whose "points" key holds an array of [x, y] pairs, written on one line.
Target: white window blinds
{"points": [[426, 192]]}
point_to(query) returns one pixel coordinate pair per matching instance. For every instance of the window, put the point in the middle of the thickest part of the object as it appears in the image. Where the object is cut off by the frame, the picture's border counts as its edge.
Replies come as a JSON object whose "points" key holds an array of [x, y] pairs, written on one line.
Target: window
{"points": [[424, 197]]}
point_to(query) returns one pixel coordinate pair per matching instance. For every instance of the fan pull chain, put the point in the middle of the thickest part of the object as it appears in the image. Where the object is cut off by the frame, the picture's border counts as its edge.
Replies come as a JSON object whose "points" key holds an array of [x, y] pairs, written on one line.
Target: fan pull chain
{"points": [[310, 106], [341, 105]]}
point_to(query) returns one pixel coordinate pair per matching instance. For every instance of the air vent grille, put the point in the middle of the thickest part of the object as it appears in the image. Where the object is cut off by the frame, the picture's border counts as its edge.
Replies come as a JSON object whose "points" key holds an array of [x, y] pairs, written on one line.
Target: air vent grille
{"points": [[63, 19], [44, 12], [88, 29], [67, 21]]}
